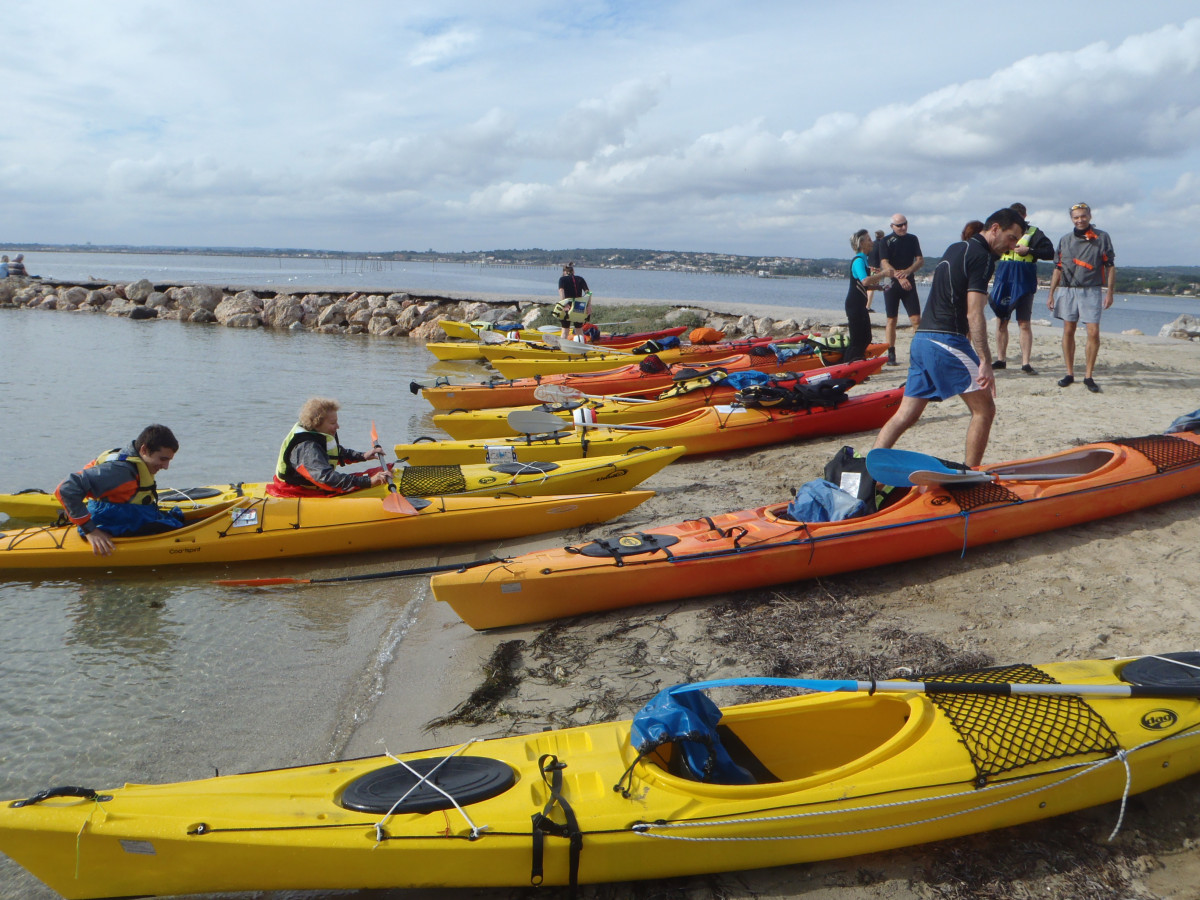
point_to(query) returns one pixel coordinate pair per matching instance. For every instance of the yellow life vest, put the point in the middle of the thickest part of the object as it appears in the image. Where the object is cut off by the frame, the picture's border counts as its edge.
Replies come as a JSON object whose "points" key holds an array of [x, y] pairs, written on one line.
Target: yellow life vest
{"points": [[1015, 254], [576, 310], [299, 433], [147, 492]]}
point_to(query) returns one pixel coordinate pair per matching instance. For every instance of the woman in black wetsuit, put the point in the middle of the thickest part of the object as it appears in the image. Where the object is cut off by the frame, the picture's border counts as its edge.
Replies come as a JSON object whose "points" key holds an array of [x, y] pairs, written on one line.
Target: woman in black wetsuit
{"points": [[861, 278]]}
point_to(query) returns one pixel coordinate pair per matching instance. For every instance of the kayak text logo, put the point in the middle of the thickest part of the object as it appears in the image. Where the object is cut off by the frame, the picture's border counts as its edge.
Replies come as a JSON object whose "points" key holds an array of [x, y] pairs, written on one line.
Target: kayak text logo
{"points": [[1159, 719]]}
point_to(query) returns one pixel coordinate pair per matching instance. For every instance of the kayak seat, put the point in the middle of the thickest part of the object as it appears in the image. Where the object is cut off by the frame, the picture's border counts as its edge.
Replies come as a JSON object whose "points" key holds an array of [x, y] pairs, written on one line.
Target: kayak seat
{"points": [[467, 779], [741, 755]]}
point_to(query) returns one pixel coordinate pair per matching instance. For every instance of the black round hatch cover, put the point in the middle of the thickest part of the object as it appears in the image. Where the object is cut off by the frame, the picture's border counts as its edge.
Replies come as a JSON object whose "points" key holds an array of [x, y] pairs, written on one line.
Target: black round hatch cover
{"points": [[468, 779], [1160, 672]]}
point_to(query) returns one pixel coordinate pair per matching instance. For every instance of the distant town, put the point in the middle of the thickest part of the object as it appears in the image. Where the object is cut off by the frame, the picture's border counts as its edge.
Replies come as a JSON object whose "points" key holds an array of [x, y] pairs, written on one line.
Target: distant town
{"points": [[1168, 280]]}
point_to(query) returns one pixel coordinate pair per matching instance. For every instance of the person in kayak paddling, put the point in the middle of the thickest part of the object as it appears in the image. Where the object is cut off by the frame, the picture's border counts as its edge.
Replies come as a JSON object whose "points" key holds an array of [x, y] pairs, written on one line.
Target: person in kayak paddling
{"points": [[949, 355], [311, 453], [125, 496]]}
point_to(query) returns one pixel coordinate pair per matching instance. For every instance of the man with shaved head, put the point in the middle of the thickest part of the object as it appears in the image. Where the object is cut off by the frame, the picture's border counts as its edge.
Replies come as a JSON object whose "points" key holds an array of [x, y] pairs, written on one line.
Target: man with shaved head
{"points": [[901, 252]]}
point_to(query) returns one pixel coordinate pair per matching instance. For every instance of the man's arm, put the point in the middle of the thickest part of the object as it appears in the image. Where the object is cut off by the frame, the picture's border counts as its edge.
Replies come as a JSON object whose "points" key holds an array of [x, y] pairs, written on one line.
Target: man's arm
{"points": [[1110, 285], [977, 329], [1055, 279]]}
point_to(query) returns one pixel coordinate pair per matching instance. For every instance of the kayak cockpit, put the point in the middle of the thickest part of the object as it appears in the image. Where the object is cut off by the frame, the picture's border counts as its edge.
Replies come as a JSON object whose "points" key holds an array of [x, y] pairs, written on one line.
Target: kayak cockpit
{"points": [[792, 746], [1073, 464]]}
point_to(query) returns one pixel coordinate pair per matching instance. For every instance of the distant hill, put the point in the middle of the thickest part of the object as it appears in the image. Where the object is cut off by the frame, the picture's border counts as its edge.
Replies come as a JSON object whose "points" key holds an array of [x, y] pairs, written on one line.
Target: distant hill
{"points": [[1172, 280]]}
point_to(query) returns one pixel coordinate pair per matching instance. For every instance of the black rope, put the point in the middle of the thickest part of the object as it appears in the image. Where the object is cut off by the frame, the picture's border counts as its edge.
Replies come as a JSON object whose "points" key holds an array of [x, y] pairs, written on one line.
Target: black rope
{"points": [[552, 775]]}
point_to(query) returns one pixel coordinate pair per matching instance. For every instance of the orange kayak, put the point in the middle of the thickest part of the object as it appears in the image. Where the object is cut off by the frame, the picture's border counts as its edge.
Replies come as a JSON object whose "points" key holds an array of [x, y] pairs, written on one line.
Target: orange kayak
{"points": [[754, 548], [630, 379]]}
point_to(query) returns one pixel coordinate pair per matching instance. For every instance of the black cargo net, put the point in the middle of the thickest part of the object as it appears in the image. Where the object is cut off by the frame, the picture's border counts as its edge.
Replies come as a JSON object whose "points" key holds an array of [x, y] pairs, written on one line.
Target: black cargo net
{"points": [[1165, 451], [970, 496], [1005, 733], [426, 481]]}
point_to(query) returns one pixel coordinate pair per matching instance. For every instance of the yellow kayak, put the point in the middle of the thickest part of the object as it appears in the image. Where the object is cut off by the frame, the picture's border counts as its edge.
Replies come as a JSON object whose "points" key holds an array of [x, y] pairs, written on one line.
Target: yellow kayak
{"points": [[861, 767], [599, 474], [276, 528]]}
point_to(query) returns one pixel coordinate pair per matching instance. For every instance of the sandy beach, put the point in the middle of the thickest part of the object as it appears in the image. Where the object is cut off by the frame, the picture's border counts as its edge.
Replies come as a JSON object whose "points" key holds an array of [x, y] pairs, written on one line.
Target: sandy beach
{"points": [[1122, 586]]}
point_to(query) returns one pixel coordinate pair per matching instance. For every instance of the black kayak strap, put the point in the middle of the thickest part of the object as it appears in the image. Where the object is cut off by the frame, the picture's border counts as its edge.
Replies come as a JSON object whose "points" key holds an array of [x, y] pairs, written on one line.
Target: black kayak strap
{"points": [[543, 825]]}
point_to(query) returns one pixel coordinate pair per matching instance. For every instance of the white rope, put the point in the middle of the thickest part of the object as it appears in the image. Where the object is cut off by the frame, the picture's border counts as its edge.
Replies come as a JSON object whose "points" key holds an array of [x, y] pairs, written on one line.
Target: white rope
{"points": [[644, 828], [476, 830], [1124, 757]]}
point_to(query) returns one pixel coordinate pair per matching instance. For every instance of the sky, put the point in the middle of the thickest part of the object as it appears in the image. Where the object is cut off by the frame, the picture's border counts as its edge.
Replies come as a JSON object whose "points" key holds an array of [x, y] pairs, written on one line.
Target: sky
{"points": [[754, 128]]}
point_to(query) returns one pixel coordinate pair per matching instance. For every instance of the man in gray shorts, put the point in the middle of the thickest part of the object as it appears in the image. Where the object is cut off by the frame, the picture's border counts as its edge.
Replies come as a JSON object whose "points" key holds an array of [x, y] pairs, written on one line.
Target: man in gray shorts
{"points": [[1086, 270]]}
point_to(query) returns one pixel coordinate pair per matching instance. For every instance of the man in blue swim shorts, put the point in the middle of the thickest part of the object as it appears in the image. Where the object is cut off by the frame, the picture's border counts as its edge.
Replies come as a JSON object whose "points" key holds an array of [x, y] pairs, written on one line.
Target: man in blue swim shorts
{"points": [[950, 355]]}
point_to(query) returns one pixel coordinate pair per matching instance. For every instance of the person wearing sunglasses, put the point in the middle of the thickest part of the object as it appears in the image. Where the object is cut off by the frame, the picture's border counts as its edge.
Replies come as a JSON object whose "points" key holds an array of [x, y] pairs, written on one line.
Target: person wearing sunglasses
{"points": [[902, 254], [1085, 274]]}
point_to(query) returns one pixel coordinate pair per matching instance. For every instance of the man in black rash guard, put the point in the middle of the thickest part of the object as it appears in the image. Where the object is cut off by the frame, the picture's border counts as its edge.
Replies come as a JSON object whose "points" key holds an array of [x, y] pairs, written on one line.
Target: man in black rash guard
{"points": [[950, 352], [901, 252]]}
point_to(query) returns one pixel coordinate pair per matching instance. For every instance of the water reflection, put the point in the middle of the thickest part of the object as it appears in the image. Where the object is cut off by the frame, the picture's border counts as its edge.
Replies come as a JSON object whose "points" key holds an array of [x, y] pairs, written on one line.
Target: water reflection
{"points": [[124, 618]]}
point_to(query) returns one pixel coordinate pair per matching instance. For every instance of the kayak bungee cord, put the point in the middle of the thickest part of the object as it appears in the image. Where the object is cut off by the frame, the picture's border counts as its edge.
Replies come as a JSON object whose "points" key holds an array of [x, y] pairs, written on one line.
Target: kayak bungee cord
{"points": [[476, 831]]}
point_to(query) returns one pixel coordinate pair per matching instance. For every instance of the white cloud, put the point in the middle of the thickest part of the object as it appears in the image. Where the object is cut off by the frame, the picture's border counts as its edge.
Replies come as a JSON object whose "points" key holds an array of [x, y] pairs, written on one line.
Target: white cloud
{"points": [[768, 128]]}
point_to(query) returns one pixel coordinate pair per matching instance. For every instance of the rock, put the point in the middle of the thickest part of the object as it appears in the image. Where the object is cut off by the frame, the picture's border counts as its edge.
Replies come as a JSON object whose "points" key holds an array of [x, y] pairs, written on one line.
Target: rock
{"points": [[531, 315], [332, 315], [96, 299], [426, 331], [745, 325], [157, 300], [380, 324], [139, 290], [73, 297], [787, 327], [143, 312], [50, 302], [398, 299], [120, 307], [199, 297], [471, 312], [410, 318], [1133, 331], [200, 315], [360, 317], [282, 311], [1185, 327], [242, 310]]}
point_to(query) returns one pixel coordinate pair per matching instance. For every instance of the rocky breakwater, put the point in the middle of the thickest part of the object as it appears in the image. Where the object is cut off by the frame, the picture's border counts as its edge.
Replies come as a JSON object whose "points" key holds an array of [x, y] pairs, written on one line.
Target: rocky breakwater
{"points": [[383, 315]]}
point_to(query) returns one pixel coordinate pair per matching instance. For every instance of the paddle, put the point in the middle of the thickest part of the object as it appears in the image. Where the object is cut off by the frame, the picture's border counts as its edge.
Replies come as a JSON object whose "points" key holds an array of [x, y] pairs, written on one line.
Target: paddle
{"points": [[534, 421], [904, 468], [369, 576], [566, 345], [395, 502], [1004, 689], [561, 393]]}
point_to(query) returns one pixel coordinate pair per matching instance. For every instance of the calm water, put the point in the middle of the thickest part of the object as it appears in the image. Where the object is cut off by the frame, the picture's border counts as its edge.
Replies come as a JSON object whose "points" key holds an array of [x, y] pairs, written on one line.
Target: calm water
{"points": [[722, 292], [163, 676]]}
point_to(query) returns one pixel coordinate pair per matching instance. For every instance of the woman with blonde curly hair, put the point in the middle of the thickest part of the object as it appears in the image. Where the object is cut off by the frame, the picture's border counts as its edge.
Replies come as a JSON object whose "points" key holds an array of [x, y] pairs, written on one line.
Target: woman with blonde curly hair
{"points": [[311, 453], [857, 315]]}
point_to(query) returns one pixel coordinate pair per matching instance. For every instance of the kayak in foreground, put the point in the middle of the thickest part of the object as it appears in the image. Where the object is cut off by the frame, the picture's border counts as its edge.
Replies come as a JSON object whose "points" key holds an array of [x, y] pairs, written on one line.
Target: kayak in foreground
{"points": [[754, 548], [539, 478], [683, 397], [277, 528], [862, 767], [713, 429]]}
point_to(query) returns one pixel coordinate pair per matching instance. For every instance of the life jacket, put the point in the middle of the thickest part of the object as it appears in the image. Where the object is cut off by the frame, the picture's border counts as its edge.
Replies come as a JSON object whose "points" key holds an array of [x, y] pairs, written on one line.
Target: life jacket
{"points": [[1015, 254], [298, 434], [147, 491], [829, 394], [575, 310]]}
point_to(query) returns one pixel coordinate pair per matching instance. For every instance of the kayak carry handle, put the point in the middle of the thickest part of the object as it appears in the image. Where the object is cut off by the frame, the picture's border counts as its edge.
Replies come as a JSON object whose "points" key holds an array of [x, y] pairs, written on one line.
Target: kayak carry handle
{"points": [[65, 790]]}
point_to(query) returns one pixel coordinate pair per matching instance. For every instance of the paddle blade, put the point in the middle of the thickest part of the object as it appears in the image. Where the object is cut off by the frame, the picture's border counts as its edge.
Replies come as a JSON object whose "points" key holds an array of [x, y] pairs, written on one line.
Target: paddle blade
{"points": [[534, 421], [896, 467], [493, 337], [557, 393], [398, 504], [374, 434]]}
